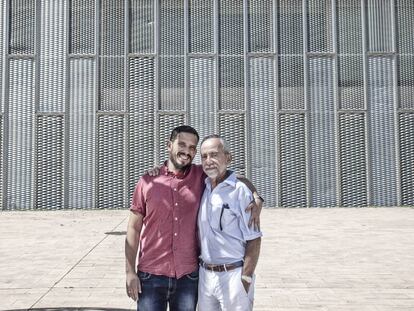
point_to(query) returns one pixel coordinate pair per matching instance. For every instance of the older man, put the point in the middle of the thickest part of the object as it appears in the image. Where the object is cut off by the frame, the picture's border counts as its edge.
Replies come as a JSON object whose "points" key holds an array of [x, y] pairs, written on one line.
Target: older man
{"points": [[229, 247]]}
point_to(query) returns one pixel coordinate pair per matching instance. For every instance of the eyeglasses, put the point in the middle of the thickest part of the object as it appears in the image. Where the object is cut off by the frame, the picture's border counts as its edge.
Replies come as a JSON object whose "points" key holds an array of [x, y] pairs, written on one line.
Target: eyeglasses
{"points": [[224, 206]]}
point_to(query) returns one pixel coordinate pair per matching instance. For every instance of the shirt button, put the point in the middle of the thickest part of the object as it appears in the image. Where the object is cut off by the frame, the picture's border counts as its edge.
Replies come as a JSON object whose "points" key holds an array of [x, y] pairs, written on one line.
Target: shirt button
{"points": [[176, 204], [175, 189], [175, 234], [175, 218]]}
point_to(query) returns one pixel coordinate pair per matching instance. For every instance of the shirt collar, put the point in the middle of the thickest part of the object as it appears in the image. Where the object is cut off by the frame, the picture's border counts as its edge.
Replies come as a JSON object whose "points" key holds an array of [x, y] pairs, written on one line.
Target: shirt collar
{"points": [[179, 175], [231, 180]]}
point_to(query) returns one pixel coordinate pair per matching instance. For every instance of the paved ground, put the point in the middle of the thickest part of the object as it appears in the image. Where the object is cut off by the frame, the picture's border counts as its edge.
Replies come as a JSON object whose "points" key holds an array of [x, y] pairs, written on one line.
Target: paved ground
{"points": [[312, 259]]}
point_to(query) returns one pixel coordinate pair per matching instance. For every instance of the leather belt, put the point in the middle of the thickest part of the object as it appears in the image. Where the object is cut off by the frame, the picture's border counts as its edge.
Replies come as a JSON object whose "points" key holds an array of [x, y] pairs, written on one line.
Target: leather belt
{"points": [[221, 268]]}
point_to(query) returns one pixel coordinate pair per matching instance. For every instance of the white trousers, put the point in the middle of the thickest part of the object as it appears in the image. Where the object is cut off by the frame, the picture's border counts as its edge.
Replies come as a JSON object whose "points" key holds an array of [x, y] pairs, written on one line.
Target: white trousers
{"points": [[223, 291]]}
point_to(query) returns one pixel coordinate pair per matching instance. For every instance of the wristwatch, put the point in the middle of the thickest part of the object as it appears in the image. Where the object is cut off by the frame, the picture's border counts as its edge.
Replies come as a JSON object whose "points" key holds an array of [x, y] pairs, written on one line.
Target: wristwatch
{"points": [[247, 278]]}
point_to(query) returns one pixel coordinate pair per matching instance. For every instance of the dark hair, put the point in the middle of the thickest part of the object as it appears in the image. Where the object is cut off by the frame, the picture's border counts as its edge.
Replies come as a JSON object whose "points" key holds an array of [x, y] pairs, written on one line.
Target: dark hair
{"points": [[183, 129]]}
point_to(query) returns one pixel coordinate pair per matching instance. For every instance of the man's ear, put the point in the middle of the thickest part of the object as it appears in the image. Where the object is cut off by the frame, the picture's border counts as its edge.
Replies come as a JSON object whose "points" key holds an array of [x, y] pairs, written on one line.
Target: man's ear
{"points": [[169, 144], [229, 158]]}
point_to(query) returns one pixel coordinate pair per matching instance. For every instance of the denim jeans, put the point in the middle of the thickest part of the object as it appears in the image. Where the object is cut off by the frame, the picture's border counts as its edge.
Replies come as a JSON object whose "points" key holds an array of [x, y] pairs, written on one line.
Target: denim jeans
{"points": [[157, 291]]}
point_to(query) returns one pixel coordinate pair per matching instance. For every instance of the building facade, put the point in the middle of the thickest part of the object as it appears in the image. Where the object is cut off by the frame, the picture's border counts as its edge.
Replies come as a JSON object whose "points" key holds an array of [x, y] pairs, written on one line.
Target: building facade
{"points": [[316, 97]]}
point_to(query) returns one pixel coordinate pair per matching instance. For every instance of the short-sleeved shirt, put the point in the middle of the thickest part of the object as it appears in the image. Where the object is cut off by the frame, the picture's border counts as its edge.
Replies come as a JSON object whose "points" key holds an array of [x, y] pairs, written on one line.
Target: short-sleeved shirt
{"points": [[169, 204], [223, 222]]}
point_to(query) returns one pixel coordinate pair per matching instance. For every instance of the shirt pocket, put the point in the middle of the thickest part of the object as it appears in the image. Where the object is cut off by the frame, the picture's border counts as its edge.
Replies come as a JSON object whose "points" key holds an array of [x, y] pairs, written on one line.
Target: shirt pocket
{"points": [[224, 218]]}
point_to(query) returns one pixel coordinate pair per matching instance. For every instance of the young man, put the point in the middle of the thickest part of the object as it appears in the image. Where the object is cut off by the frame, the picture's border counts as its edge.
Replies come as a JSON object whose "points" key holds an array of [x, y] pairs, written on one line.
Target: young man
{"points": [[163, 224], [229, 248]]}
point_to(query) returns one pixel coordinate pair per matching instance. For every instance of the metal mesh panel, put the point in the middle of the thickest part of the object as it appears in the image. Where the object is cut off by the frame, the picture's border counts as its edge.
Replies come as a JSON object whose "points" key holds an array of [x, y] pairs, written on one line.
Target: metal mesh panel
{"points": [[172, 83], [353, 163], [82, 134], [82, 27], [407, 158], [141, 122], [351, 81], [231, 27], [382, 140], [112, 27], [292, 160], [201, 26], [49, 162], [112, 84], [261, 25], [172, 27], [262, 132], [231, 82], [291, 82], [290, 26], [53, 56], [322, 119], [142, 26], [2, 55], [405, 19], [202, 97], [111, 161], [320, 25], [20, 153], [22, 26], [380, 26], [349, 26], [167, 123], [232, 128], [406, 81]]}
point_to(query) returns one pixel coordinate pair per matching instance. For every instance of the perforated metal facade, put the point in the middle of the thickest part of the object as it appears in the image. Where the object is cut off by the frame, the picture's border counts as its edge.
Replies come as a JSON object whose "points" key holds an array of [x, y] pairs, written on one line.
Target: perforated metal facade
{"points": [[316, 97]]}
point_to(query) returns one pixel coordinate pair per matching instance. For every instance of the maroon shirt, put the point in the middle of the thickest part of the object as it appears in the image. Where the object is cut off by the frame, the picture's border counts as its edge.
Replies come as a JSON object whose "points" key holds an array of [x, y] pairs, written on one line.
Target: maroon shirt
{"points": [[169, 204]]}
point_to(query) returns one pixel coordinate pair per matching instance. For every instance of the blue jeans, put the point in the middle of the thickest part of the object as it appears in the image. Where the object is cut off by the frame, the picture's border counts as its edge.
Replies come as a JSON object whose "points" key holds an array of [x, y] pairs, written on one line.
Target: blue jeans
{"points": [[157, 291]]}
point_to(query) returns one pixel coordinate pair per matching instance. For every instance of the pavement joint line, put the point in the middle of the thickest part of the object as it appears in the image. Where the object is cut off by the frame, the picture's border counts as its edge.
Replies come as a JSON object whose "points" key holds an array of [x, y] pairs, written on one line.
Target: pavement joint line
{"points": [[75, 265]]}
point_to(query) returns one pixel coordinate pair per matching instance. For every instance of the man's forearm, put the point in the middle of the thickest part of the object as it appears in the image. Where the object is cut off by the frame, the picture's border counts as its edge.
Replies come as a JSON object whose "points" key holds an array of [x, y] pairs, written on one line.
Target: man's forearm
{"points": [[252, 256], [131, 249], [247, 182]]}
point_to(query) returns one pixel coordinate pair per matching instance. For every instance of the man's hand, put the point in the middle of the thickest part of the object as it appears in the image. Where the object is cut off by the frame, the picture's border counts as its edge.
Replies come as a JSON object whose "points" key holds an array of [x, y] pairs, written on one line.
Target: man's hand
{"points": [[246, 286], [255, 207], [155, 171], [133, 286]]}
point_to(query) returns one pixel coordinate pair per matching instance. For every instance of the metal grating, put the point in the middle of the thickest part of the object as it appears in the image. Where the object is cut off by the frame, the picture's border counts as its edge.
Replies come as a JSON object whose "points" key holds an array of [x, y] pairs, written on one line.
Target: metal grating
{"points": [[20, 128], [261, 26], [351, 82], [231, 82], [380, 36], [405, 20], [81, 171], [231, 27], [2, 55], [49, 162], [232, 128], [112, 27], [322, 132], [262, 131], [22, 26], [291, 82], [82, 27], [407, 158], [142, 19], [1, 158], [172, 27], [111, 161], [112, 84], [201, 26], [167, 123], [406, 81], [202, 97], [141, 121], [349, 26], [292, 160], [172, 83], [320, 25], [382, 131], [290, 27], [53, 56], [353, 160]]}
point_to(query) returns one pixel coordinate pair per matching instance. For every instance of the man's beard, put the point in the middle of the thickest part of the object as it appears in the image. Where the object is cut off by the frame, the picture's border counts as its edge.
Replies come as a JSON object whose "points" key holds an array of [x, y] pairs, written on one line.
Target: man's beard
{"points": [[179, 166]]}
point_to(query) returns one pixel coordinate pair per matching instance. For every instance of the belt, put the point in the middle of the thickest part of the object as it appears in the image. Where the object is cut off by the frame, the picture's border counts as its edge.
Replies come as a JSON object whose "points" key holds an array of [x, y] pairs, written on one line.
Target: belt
{"points": [[221, 268]]}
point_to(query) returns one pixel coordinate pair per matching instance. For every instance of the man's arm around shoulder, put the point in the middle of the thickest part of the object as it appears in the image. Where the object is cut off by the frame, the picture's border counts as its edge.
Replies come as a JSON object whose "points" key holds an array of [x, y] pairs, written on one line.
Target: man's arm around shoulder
{"points": [[133, 285]]}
